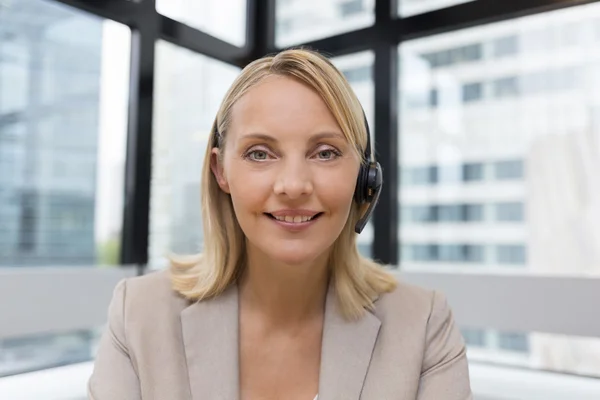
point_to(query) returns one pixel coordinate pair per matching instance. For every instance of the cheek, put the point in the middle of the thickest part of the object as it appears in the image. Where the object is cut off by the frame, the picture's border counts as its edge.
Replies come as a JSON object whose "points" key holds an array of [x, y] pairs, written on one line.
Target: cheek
{"points": [[248, 193], [336, 191]]}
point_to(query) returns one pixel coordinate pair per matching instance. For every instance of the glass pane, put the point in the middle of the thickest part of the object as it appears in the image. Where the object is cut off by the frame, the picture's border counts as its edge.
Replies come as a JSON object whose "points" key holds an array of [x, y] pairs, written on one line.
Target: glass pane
{"points": [[223, 19], [499, 166], [301, 21], [358, 69], [406, 8], [31, 353], [188, 90], [562, 353], [63, 125]]}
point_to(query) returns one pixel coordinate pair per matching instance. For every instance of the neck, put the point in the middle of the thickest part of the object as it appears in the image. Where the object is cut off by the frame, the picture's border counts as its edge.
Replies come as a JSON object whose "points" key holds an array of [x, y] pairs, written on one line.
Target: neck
{"points": [[284, 294]]}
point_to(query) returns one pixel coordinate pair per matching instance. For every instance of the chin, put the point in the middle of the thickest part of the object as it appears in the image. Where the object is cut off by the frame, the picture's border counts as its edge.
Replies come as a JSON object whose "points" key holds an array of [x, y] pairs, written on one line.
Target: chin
{"points": [[293, 254]]}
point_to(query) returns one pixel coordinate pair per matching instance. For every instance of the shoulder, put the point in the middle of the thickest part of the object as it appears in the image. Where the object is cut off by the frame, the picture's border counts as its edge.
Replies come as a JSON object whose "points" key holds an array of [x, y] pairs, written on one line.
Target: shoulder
{"points": [[152, 292], [407, 302]]}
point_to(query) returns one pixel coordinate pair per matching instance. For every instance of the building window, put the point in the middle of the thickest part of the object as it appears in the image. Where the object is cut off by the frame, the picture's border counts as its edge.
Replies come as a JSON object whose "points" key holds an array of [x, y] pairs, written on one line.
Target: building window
{"points": [[471, 52], [421, 175], [472, 172], [450, 213], [443, 213], [474, 253], [352, 7], [506, 170], [421, 252], [506, 87], [518, 342], [506, 46], [457, 55], [28, 222], [472, 212], [511, 254], [447, 253], [474, 337], [420, 214], [472, 92], [509, 212], [451, 253], [433, 98]]}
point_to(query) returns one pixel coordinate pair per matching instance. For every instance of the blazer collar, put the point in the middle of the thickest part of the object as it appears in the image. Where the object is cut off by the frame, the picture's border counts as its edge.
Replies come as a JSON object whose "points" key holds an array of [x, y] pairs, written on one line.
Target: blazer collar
{"points": [[345, 352], [210, 336], [210, 331]]}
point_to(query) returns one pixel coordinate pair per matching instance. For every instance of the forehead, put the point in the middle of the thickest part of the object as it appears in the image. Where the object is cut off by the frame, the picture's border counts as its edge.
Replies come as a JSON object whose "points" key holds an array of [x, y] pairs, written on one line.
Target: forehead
{"points": [[282, 102]]}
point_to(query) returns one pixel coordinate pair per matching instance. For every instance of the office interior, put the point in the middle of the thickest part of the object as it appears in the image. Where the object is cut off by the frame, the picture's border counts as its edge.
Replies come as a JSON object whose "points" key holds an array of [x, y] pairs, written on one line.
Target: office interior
{"points": [[485, 116]]}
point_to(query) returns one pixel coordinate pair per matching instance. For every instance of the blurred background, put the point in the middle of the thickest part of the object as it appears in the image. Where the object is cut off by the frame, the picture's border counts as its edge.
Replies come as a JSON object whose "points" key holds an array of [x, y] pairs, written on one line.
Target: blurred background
{"points": [[485, 116]]}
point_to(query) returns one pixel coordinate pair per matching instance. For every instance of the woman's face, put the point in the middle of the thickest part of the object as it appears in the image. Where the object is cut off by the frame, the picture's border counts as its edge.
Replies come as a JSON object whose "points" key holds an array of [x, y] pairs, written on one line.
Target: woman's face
{"points": [[289, 169]]}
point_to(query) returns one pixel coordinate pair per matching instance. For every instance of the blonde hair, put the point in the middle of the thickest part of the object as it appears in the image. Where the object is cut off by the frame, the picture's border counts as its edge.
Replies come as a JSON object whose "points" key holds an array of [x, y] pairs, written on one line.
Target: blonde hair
{"points": [[356, 279]]}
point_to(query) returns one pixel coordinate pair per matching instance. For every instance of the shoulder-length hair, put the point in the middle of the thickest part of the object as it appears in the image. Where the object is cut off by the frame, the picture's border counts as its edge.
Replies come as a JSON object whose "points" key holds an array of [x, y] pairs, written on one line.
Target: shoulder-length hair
{"points": [[356, 279]]}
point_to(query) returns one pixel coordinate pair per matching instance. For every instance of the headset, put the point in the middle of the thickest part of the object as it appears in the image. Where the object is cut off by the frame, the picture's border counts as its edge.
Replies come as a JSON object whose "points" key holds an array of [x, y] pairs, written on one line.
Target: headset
{"points": [[368, 183]]}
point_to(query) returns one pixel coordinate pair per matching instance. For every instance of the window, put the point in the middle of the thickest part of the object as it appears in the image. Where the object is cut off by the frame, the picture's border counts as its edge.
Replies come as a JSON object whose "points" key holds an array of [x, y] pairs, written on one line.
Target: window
{"points": [[352, 7], [433, 98], [506, 46], [474, 337], [223, 19], [506, 87], [406, 8], [472, 92], [420, 252], [454, 56], [444, 253], [63, 126], [419, 214], [511, 254], [61, 140], [314, 21], [518, 342], [473, 212], [420, 175], [526, 151], [24, 354], [506, 170], [450, 213], [472, 172], [186, 103], [509, 212]]}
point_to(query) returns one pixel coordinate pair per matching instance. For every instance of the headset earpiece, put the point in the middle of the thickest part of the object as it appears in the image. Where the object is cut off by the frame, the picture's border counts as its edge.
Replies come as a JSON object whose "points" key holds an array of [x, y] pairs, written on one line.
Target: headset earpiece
{"points": [[368, 183]]}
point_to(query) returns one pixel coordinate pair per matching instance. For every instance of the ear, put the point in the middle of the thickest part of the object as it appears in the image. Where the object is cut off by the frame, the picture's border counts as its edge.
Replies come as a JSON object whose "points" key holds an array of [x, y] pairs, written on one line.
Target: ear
{"points": [[216, 166]]}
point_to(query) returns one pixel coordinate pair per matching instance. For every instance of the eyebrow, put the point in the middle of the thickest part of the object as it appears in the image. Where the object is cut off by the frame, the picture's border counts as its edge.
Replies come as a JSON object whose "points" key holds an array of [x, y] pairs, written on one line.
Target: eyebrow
{"points": [[313, 138]]}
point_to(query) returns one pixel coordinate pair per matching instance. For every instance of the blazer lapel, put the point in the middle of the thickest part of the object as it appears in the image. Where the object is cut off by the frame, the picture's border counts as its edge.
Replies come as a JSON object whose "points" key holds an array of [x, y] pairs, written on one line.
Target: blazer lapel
{"points": [[346, 352], [210, 337]]}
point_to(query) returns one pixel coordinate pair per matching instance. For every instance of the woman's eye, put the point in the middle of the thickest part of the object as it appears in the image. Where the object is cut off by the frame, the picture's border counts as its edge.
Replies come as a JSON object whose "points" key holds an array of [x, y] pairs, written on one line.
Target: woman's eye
{"points": [[258, 155], [328, 154]]}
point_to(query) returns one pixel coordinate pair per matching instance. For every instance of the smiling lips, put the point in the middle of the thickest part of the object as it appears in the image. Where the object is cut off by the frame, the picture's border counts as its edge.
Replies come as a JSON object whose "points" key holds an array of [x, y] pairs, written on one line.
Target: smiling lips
{"points": [[294, 216]]}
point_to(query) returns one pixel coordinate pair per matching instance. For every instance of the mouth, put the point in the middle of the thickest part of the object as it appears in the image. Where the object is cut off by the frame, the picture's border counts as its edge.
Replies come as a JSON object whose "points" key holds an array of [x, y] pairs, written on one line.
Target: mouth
{"points": [[297, 219]]}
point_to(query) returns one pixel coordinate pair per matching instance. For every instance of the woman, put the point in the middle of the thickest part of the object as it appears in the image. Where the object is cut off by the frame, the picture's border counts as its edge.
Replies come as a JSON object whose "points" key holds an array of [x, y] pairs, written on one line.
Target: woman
{"points": [[280, 305]]}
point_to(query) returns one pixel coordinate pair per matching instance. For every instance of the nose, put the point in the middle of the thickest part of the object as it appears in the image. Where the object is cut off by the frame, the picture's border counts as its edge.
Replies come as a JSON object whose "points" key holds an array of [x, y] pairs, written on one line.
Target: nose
{"points": [[294, 179]]}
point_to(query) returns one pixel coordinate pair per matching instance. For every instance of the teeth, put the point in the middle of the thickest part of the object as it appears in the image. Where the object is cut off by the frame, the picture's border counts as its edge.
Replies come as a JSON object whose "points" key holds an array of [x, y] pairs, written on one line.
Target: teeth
{"points": [[294, 219]]}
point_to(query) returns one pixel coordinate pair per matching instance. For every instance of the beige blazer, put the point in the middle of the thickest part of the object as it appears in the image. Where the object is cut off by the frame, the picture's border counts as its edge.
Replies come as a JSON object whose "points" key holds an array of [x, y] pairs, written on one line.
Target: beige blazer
{"points": [[159, 346]]}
